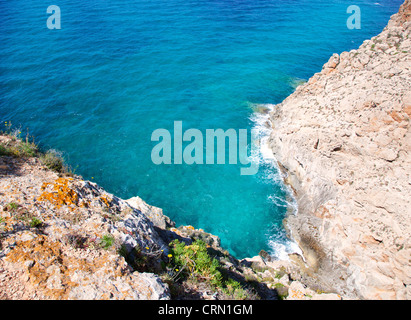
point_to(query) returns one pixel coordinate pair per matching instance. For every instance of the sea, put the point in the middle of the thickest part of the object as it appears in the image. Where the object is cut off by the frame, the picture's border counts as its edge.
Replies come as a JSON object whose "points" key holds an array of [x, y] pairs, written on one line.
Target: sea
{"points": [[95, 78]]}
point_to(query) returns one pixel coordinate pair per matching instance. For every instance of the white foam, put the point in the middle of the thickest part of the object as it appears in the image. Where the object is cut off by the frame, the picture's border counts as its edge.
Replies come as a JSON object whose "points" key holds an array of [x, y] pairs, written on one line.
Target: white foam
{"points": [[265, 150], [279, 202], [280, 245]]}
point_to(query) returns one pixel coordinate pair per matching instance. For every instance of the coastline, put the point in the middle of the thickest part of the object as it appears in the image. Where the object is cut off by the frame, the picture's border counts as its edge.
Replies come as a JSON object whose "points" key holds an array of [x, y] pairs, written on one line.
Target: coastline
{"points": [[342, 250], [339, 138], [62, 237], [282, 244]]}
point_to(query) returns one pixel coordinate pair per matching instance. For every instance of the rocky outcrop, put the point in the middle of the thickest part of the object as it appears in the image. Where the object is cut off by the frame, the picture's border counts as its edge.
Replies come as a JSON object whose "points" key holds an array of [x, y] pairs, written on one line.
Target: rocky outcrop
{"points": [[344, 141], [61, 238]]}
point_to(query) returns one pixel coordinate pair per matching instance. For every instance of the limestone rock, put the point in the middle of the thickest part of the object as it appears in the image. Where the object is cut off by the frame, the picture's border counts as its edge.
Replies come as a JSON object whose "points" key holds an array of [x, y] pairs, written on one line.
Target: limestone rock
{"points": [[74, 252], [344, 141], [153, 213]]}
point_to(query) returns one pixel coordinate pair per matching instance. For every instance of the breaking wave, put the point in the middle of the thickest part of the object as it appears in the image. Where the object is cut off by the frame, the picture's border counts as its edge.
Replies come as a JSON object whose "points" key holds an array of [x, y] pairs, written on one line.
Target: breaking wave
{"points": [[278, 241]]}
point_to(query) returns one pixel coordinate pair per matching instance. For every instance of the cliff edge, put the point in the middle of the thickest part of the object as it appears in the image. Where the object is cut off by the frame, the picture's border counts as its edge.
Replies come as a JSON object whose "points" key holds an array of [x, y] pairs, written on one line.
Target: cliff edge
{"points": [[344, 141], [62, 237]]}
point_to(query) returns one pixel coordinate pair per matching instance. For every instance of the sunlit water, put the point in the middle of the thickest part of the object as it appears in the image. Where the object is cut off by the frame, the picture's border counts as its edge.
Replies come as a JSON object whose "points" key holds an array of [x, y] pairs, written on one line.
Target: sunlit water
{"points": [[117, 70]]}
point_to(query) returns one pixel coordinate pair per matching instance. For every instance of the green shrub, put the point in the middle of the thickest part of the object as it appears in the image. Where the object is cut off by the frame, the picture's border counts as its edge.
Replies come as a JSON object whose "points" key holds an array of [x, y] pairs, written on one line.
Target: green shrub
{"points": [[22, 214], [12, 206], [26, 149], [107, 241], [5, 151], [19, 149], [53, 160], [194, 264], [234, 290], [35, 222], [194, 261], [140, 262]]}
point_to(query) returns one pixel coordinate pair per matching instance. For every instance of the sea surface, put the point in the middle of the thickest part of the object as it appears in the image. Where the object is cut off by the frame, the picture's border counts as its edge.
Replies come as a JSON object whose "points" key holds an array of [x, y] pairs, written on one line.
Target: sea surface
{"points": [[117, 70]]}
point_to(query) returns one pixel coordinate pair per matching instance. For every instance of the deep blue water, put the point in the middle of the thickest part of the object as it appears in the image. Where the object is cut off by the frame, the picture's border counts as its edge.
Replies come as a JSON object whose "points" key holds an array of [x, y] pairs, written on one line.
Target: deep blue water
{"points": [[117, 70]]}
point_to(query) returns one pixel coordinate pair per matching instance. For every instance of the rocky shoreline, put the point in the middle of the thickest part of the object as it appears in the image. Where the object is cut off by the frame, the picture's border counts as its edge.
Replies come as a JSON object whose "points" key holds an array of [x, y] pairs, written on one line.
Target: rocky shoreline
{"points": [[62, 237], [343, 140]]}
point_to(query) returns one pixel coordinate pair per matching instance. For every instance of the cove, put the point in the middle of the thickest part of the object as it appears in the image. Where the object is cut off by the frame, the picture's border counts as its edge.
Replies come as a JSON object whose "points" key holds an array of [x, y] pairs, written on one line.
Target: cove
{"points": [[118, 70]]}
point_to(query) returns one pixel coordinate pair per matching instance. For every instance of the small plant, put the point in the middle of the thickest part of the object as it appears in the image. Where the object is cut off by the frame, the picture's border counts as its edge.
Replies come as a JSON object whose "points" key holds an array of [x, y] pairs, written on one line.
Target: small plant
{"points": [[194, 261], [26, 149], [107, 241], [19, 149], [35, 222], [76, 240], [122, 251], [282, 294], [23, 215], [5, 151], [12, 206], [16, 147], [234, 290], [53, 160], [140, 261], [145, 259]]}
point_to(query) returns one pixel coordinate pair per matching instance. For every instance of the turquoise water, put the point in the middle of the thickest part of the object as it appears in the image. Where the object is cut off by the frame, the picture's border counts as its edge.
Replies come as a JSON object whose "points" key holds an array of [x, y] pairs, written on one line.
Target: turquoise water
{"points": [[117, 70]]}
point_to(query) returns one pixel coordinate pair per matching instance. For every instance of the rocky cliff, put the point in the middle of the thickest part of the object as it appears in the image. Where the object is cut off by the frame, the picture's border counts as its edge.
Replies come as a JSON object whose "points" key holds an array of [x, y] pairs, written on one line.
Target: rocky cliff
{"points": [[62, 237], [344, 141]]}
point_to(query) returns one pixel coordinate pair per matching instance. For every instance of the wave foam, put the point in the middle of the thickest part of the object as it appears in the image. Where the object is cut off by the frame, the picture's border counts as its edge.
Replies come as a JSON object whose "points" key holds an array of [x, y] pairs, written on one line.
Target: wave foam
{"points": [[280, 245]]}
